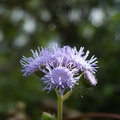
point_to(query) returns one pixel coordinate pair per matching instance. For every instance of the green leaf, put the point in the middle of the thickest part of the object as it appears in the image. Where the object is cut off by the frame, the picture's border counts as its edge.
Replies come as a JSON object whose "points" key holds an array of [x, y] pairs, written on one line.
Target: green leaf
{"points": [[47, 116]]}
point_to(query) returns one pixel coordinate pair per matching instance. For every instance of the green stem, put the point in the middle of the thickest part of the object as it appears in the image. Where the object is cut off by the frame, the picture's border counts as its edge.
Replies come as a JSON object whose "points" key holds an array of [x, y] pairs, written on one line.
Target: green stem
{"points": [[66, 95], [61, 98], [60, 106]]}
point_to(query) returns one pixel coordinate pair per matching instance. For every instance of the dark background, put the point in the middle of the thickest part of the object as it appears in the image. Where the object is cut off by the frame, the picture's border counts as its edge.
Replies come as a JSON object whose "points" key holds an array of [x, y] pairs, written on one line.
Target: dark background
{"points": [[27, 24]]}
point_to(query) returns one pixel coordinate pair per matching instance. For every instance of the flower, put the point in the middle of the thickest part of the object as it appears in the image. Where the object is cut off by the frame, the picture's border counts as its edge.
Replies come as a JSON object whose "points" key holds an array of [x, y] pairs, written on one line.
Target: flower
{"points": [[81, 62], [60, 77], [32, 64], [61, 66]]}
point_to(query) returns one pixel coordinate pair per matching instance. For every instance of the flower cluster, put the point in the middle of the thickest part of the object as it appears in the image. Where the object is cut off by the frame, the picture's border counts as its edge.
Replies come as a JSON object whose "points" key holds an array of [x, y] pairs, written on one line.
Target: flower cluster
{"points": [[61, 66]]}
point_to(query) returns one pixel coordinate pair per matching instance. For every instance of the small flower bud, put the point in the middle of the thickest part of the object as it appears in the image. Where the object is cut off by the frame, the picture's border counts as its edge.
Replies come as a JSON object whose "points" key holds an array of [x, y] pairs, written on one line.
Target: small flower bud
{"points": [[90, 77]]}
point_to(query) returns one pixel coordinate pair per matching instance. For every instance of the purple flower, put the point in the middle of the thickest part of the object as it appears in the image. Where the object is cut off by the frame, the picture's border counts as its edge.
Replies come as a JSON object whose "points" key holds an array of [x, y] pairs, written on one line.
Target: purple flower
{"points": [[32, 64], [61, 66], [80, 59], [60, 77]]}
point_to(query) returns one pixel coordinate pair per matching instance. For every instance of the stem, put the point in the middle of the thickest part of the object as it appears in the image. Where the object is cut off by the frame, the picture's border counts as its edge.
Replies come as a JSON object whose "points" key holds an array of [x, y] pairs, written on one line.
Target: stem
{"points": [[61, 98], [60, 106], [66, 95]]}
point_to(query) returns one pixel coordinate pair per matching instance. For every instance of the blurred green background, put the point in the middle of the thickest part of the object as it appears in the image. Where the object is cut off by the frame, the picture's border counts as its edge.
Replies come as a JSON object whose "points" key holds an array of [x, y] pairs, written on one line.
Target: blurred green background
{"points": [[27, 24]]}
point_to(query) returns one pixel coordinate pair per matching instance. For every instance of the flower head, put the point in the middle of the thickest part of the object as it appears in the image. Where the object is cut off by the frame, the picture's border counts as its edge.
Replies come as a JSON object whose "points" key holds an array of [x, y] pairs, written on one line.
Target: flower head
{"points": [[60, 77], [80, 59], [61, 66]]}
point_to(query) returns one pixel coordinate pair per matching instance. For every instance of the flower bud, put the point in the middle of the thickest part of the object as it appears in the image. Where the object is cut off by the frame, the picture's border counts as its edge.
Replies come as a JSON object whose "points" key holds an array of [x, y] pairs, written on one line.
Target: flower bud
{"points": [[90, 77]]}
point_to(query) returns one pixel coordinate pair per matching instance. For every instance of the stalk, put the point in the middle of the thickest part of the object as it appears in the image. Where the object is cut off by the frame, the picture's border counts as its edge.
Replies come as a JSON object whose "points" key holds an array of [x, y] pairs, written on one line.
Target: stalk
{"points": [[61, 98], [60, 108]]}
